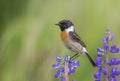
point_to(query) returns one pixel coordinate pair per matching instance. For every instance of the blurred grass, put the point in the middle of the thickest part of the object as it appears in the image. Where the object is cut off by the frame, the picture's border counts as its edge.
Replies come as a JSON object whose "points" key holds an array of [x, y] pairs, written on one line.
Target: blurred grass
{"points": [[29, 40]]}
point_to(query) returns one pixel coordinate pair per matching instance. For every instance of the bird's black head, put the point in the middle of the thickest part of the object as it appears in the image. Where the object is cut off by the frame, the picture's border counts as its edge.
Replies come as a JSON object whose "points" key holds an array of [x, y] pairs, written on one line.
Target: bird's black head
{"points": [[64, 24]]}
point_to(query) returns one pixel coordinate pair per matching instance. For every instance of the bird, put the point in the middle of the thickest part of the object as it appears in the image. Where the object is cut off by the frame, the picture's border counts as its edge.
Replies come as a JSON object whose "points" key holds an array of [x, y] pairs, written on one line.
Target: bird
{"points": [[72, 40]]}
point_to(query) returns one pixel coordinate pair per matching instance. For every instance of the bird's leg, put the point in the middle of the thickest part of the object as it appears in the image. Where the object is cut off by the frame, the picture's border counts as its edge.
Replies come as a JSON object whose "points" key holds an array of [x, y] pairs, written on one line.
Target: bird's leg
{"points": [[74, 56]]}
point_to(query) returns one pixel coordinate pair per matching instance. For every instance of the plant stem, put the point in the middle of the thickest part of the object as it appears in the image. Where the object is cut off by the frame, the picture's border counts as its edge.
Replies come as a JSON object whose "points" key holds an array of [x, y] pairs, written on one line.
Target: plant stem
{"points": [[106, 65], [66, 71]]}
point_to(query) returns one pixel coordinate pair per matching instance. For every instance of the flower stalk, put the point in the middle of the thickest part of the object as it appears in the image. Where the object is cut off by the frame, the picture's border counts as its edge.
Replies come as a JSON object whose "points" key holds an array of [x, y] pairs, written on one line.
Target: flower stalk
{"points": [[108, 70], [106, 65], [65, 67], [66, 71]]}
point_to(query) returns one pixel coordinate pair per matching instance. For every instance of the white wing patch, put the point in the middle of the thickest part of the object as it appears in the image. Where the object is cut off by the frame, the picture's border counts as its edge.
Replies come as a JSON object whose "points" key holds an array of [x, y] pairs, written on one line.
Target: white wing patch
{"points": [[84, 50]]}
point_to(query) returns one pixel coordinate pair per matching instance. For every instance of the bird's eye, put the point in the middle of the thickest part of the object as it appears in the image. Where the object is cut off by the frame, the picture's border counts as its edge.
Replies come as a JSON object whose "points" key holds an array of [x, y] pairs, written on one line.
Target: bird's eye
{"points": [[64, 23]]}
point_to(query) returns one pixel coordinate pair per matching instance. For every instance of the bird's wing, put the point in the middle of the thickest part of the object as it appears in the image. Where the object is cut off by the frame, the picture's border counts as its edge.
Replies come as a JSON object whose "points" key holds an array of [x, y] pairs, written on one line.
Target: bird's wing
{"points": [[75, 37]]}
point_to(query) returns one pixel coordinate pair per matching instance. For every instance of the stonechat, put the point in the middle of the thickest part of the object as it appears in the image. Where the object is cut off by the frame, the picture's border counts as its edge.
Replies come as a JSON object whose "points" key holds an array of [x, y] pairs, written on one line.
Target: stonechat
{"points": [[72, 40]]}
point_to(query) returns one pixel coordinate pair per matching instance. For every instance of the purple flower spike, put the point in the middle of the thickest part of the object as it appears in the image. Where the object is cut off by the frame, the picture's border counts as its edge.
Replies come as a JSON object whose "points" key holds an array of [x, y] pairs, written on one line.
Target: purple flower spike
{"points": [[107, 66], [114, 49], [98, 61], [62, 63]]}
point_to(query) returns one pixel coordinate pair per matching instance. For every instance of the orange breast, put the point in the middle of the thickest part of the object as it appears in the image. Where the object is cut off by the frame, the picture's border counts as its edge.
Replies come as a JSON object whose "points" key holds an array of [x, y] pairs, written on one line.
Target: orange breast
{"points": [[64, 36]]}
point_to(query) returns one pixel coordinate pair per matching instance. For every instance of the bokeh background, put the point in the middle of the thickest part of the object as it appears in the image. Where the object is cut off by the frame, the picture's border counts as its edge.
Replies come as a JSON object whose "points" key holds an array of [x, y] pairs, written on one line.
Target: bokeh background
{"points": [[29, 40]]}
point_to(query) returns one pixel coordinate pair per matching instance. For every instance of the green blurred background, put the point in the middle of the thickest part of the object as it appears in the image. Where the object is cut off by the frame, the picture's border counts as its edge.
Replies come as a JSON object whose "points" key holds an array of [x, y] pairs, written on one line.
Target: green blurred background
{"points": [[29, 40]]}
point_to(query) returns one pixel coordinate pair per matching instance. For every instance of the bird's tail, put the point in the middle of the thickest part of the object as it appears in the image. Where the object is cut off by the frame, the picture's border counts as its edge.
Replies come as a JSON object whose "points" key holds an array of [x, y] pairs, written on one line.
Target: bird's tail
{"points": [[91, 60]]}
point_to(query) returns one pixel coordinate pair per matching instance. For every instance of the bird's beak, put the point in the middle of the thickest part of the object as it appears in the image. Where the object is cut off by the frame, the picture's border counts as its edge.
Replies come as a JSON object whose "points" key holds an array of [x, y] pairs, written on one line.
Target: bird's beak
{"points": [[57, 24]]}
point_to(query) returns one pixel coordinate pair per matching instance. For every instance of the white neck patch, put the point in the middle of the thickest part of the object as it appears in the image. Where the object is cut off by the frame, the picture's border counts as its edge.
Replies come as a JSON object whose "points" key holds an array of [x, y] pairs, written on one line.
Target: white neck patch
{"points": [[70, 29]]}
